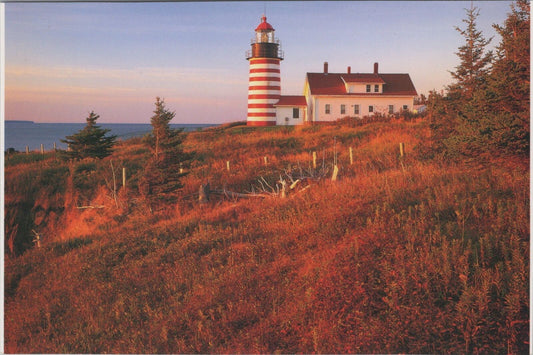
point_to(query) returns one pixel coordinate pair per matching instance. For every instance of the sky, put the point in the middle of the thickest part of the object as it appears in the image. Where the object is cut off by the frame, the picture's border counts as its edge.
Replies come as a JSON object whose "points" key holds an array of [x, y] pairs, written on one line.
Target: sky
{"points": [[63, 60]]}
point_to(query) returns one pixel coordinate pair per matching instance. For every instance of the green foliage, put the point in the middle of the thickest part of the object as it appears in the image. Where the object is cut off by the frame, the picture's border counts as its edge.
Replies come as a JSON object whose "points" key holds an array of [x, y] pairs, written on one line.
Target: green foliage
{"points": [[486, 109], [163, 173], [471, 74], [508, 92], [90, 142]]}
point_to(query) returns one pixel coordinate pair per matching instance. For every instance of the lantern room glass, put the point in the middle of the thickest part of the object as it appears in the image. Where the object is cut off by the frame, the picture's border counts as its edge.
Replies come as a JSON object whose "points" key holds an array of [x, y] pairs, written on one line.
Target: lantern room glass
{"points": [[265, 36]]}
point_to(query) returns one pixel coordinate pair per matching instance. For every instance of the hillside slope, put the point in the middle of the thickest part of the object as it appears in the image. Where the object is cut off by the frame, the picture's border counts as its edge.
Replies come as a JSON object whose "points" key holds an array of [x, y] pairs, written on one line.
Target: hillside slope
{"points": [[400, 254]]}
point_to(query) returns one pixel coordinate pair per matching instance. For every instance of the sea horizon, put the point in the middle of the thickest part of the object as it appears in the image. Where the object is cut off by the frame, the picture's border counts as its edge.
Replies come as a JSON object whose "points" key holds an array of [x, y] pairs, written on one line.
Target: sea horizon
{"points": [[106, 123], [20, 134]]}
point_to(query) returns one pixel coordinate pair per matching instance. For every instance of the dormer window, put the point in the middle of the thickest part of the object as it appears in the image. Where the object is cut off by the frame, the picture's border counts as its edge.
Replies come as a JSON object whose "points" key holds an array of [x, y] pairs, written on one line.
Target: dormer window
{"points": [[376, 88], [368, 87]]}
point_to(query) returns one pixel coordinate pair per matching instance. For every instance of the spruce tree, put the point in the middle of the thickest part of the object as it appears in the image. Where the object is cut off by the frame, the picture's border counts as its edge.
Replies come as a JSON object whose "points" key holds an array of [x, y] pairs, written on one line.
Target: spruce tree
{"points": [[90, 142], [467, 102], [509, 83], [471, 73], [163, 173]]}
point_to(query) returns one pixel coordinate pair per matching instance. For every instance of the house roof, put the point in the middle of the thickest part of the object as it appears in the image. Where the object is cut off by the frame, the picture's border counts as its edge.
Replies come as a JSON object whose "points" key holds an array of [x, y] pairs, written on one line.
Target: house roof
{"points": [[362, 78], [334, 83], [291, 100]]}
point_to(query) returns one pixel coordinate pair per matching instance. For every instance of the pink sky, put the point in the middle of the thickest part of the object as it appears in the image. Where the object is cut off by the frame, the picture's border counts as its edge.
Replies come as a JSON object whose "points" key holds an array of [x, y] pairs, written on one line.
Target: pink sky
{"points": [[65, 59]]}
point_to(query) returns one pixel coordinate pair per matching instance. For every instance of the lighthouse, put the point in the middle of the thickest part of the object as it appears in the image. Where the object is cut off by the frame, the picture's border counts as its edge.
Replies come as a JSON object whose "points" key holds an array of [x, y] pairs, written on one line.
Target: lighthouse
{"points": [[264, 84]]}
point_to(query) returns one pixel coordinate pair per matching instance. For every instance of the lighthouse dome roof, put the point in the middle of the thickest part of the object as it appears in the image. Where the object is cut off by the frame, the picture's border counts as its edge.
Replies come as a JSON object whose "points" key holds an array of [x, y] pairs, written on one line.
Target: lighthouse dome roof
{"points": [[264, 25]]}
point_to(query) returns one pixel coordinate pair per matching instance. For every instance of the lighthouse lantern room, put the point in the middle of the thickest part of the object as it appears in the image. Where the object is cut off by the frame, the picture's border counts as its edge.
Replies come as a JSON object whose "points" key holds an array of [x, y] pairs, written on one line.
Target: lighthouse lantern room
{"points": [[264, 84]]}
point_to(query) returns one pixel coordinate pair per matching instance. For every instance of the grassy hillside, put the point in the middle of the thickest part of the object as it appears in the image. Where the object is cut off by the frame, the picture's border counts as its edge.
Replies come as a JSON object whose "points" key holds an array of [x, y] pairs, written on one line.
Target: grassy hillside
{"points": [[400, 254]]}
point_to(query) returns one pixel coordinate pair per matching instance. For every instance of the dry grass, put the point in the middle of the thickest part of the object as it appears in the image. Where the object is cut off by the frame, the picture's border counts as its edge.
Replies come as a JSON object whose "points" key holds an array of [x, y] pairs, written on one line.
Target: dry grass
{"points": [[398, 255]]}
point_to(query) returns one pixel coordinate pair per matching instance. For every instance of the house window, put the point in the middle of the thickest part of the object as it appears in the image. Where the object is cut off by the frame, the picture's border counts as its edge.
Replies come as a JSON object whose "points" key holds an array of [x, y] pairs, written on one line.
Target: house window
{"points": [[328, 109], [370, 109], [343, 109], [391, 108], [295, 112], [376, 88], [405, 107], [368, 88], [355, 109]]}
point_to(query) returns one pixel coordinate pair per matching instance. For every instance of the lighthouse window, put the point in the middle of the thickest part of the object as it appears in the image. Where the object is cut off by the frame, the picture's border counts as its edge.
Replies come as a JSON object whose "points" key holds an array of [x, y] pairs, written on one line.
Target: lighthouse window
{"points": [[368, 87], [343, 109], [355, 109], [328, 109], [295, 112]]}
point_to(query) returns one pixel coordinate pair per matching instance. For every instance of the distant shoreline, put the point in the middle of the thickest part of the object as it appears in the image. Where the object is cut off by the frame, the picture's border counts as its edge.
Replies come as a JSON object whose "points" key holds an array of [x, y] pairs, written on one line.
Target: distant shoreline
{"points": [[18, 121], [111, 123], [25, 134]]}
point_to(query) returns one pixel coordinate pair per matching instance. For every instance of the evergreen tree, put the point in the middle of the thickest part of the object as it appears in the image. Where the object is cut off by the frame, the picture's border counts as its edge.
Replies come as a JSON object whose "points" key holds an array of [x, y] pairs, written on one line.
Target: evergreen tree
{"points": [[90, 142], [466, 108], [509, 82], [163, 173], [471, 74]]}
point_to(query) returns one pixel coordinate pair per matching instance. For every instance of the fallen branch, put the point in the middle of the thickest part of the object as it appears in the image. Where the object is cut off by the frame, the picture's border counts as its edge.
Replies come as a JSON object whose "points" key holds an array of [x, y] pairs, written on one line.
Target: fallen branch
{"points": [[237, 194], [86, 207]]}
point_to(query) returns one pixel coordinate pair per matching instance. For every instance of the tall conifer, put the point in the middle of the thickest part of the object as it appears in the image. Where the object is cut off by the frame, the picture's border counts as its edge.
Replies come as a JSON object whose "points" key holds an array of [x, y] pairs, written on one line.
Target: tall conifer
{"points": [[163, 173], [472, 71], [467, 108], [509, 82]]}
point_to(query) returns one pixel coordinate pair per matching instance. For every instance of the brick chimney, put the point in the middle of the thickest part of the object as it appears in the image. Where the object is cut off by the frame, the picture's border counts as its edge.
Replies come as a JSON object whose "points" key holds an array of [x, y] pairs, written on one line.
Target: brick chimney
{"points": [[375, 68], [349, 70], [325, 67]]}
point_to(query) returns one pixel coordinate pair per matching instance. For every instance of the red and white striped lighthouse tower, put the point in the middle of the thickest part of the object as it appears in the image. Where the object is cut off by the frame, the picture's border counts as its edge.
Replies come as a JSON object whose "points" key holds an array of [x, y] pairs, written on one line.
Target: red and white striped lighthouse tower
{"points": [[264, 86]]}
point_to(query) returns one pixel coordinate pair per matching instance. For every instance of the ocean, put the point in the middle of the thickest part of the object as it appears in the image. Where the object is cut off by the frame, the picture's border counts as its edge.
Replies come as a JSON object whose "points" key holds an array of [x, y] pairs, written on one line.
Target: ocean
{"points": [[19, 134]]}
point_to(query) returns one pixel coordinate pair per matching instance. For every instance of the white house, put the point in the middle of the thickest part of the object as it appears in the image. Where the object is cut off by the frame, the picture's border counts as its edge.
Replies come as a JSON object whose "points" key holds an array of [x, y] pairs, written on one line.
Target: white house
{"points": [[291, 110], [330, 96]]}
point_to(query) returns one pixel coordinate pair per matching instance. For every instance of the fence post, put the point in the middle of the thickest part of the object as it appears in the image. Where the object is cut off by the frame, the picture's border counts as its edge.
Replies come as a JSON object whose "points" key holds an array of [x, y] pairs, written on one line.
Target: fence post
{"points": [[402, 149], [335, 172], [227, 165], [314, 160], [42, 149], [27, 150], [266, 160], [351, 156], [123, 177]]}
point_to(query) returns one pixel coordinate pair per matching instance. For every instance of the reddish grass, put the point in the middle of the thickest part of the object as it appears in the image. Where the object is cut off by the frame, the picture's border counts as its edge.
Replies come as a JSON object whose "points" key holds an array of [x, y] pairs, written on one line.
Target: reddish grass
{"points": [[398, 255]]}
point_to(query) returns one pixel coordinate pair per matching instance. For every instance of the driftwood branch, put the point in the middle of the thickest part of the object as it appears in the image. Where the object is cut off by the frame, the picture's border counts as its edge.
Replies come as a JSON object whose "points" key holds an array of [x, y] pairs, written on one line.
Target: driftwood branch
{"points": [[88, 207], [291, 180], [228, 193]]}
